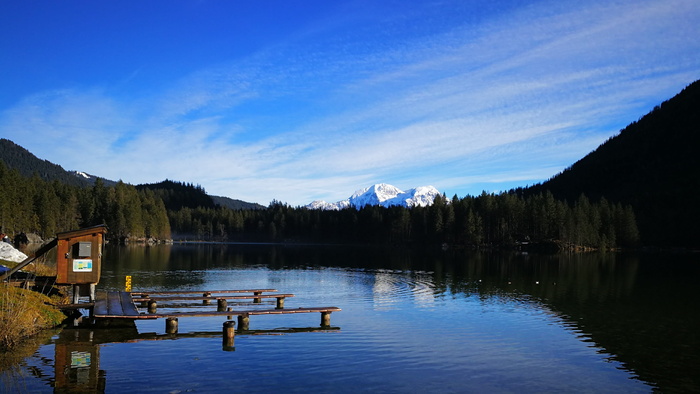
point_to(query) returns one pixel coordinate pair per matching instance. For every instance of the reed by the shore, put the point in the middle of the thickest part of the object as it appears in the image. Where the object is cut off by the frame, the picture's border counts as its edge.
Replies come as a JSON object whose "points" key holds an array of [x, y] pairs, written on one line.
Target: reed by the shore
{"points": [[24, 312]]}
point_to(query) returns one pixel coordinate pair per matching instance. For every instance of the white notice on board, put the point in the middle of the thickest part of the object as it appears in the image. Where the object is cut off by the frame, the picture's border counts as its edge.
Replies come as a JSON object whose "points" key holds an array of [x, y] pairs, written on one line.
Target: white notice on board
{"points": [[82, 265]]}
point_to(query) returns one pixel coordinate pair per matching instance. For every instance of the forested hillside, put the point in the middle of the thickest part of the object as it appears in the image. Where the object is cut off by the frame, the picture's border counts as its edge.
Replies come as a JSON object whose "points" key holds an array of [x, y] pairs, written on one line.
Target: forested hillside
{"points": [[232, 203], [177, 195], [28, 165], [31, 204], [487, 220], [652, 165]]}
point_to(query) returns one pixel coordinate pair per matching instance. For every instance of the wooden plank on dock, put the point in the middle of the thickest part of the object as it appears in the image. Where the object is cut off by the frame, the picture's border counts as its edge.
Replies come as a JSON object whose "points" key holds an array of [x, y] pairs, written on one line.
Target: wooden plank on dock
{"points": [[66, 307], [128, 305], [100, 307], [115, 304], [328, 309], [218, 297], [147, 292]]}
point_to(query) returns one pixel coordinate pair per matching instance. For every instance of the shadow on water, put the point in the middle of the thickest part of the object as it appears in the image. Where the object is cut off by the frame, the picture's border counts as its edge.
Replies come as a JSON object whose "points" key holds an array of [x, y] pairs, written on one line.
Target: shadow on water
{"points": [[637, 307], [640, 309]]}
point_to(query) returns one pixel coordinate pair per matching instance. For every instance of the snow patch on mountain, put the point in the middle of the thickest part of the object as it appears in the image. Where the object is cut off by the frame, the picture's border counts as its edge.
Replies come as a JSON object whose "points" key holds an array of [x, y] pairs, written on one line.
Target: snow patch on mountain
{"points": [[384, 195], [91, 178]]}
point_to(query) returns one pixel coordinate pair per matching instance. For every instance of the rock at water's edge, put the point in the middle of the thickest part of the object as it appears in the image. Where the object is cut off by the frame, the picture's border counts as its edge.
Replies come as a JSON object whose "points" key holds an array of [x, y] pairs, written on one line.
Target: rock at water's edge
{"points": [[27, 238]]}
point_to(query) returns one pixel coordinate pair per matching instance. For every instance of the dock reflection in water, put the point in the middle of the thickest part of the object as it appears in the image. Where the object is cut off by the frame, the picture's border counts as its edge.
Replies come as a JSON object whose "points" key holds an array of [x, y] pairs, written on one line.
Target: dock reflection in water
{"points": [[77, 362], [77, 351]]}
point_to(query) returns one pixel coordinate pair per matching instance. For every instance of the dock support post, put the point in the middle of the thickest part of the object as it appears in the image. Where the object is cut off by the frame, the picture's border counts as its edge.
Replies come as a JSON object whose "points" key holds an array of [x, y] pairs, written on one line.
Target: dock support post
{"points": [[171, 325], [230, 317], [207, 294], [280, 302], [76, 294], [244, 322], [221, 305], [229, 335], [152, 306], [257, 300], [325, 319], [92, 292]]}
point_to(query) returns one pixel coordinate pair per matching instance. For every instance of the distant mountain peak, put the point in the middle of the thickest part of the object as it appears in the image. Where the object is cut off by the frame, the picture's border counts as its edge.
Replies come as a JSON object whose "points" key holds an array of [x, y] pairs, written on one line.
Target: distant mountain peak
{"points": [[384, 195], [91, 179]]}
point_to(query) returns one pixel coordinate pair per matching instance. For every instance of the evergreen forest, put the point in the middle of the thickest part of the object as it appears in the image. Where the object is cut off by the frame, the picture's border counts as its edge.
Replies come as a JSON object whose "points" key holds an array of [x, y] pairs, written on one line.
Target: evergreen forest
{"points": [[31, 204], [487, 220], [34, 205], [652, 165]]}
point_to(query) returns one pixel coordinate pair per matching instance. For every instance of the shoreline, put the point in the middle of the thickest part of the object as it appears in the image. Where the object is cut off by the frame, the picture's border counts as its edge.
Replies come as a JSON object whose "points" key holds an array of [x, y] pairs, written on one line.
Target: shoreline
{"points": [[25, 313]]}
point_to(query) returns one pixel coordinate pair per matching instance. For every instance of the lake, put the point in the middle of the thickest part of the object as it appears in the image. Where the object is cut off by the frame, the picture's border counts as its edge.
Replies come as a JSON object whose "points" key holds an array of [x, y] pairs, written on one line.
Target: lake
{"points": [[411, 321]]}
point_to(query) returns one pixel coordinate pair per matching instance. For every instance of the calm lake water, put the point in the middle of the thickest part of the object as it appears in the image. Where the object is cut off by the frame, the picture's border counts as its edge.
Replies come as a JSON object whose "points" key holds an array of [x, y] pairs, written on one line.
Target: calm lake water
{"points": [[411, 321]]}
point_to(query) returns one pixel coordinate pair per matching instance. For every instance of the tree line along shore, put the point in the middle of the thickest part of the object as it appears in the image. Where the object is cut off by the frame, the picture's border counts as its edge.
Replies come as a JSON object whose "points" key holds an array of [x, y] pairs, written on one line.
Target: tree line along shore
{"points": [[505, 220]]}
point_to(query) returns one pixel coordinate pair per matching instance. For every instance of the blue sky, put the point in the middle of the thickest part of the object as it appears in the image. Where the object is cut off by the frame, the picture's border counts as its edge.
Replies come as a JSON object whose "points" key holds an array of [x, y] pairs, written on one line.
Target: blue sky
{"points": [[307, 100]]}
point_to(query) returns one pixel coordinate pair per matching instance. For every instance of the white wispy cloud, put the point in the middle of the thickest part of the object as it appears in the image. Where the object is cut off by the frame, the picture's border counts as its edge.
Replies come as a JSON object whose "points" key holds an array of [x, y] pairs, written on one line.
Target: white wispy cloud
{"points": [[515, 98]]}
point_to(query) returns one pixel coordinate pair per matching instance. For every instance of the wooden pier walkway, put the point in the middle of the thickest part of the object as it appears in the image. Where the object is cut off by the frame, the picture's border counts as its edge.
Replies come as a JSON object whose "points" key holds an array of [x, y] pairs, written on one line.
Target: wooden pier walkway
{"points": [[121, 305], [116, 304]]}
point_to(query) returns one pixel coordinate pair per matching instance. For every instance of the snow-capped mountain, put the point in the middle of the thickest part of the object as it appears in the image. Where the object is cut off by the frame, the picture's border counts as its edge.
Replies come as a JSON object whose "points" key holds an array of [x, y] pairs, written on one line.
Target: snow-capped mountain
{"points": [[91, 178], [384, 195], [81, 174]]}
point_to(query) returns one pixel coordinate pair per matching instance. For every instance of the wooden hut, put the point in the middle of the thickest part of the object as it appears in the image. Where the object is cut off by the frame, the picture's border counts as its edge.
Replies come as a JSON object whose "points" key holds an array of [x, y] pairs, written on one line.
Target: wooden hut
{"points": [[79, 259]]}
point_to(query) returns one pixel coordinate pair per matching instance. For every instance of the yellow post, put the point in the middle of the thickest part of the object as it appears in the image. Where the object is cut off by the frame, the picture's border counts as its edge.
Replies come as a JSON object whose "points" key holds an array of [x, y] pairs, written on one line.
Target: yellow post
{"points": [[127, 286]]}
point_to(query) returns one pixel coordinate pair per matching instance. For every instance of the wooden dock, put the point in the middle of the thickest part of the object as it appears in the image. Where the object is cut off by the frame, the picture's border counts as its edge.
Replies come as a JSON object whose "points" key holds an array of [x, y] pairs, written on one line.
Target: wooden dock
{"points": [[122, 305]]}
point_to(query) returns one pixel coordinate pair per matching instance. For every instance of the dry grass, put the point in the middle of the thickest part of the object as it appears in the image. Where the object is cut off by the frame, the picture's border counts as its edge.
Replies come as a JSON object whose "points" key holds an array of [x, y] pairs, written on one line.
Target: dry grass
{"points": [[40, 267], [23, 313]]}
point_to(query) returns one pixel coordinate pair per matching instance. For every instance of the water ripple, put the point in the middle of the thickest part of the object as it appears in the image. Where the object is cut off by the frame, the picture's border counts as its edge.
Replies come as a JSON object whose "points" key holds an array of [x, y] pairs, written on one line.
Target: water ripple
{"points": [[400, 330]]}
